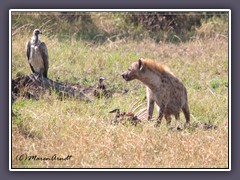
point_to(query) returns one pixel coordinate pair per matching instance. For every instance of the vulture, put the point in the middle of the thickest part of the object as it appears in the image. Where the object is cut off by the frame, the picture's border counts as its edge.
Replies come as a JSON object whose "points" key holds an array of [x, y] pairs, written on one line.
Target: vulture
{"points": [[101, 85], [100, 89], [37, 55]]}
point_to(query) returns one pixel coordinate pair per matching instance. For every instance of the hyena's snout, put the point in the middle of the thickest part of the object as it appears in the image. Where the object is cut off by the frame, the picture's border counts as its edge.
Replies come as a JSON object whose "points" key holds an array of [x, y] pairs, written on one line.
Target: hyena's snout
{"points": [[128, 76], [124, 75]]}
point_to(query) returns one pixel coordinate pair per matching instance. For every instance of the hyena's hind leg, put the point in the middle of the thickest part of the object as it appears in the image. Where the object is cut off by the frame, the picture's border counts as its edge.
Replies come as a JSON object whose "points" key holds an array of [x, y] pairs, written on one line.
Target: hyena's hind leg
{"points": [[186, 113], [177, 117], [168, 119]]}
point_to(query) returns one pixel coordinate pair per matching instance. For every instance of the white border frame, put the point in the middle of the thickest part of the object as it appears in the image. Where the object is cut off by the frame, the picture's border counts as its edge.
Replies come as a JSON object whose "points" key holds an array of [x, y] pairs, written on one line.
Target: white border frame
{"points": [[118, 10]]}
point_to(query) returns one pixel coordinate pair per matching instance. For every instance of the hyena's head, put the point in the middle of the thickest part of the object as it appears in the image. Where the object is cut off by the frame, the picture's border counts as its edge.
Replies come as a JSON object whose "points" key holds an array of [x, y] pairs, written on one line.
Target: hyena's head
{"points": [[134, 71]]}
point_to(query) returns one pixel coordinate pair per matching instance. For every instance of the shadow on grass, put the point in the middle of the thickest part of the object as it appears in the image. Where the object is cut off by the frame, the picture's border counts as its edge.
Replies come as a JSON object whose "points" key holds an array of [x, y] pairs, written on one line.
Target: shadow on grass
{"points": [[89, 26]]}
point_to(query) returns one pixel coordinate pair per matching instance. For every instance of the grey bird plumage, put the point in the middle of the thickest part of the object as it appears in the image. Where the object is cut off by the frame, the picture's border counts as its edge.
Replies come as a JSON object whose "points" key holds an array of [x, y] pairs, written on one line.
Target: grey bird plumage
{"points": [[37, 54]]}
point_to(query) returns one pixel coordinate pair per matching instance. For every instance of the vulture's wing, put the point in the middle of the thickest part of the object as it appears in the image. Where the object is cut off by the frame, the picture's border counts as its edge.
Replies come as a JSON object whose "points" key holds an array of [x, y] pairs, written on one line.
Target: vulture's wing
{"points": [[28, 54], [44, 53]]}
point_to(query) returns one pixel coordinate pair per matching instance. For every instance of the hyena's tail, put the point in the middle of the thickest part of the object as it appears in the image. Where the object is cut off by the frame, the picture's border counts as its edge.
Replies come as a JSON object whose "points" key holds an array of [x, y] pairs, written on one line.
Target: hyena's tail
{"points": [[186, 112]]}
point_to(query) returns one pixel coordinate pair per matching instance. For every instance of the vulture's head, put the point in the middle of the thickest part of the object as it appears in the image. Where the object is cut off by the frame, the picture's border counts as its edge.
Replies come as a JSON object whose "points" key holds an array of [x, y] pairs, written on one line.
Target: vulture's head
{"points": [[101, 80], [37, 32]]}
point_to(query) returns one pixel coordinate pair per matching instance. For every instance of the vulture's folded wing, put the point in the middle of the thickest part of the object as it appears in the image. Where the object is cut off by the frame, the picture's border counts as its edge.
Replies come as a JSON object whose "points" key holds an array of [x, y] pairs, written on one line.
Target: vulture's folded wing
{"points": [[44, 53], [28, 47]]}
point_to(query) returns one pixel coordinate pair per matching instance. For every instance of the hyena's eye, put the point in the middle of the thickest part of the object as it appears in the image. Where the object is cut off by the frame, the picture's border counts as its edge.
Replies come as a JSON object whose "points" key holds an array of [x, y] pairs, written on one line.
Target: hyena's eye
{"points": [[129, 69]]}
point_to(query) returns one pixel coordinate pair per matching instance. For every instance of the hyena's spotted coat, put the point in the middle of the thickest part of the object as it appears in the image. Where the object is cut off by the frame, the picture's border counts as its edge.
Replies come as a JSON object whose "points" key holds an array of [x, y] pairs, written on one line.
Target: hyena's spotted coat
{"points": [[163, 88]]}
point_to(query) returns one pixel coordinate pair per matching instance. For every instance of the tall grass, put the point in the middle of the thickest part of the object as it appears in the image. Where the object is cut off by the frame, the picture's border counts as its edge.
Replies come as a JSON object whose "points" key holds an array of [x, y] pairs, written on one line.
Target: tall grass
{"points": [[71, 127]]}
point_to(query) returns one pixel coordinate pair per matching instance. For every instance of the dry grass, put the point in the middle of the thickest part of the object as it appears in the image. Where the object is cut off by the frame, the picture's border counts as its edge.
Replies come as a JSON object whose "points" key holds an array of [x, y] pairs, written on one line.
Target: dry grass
{"points": [[93, 142], [70, 127]]}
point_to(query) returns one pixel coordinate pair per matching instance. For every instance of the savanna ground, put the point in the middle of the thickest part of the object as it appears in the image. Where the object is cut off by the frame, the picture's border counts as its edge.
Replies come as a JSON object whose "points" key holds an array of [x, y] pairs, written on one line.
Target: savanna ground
{"points": [[105, 46]]}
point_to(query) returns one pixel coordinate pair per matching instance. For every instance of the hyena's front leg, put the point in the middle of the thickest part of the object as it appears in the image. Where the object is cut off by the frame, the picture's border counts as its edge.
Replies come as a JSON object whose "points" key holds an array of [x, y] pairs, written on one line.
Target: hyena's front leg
{"points": [[150, 103], [160, 114], [150, 108]]}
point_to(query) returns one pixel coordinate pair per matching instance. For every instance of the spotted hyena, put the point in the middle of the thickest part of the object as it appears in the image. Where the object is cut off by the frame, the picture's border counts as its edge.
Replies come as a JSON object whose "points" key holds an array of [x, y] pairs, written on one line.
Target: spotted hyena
{"points": [[163, 88]]}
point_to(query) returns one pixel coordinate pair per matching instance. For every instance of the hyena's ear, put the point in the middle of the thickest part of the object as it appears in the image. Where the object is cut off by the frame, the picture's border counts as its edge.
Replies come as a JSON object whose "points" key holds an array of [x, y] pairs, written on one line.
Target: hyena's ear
{"points": [[140, 64]]}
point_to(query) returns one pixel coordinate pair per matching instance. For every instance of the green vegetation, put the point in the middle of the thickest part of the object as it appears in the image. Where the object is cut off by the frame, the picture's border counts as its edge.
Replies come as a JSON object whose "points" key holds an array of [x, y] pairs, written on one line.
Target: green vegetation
{"points": [[84, 46]]}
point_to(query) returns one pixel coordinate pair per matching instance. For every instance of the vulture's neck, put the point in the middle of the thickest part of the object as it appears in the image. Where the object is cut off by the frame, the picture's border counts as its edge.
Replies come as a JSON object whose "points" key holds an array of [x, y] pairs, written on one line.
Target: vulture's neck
{"points": [[35, 39]]}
